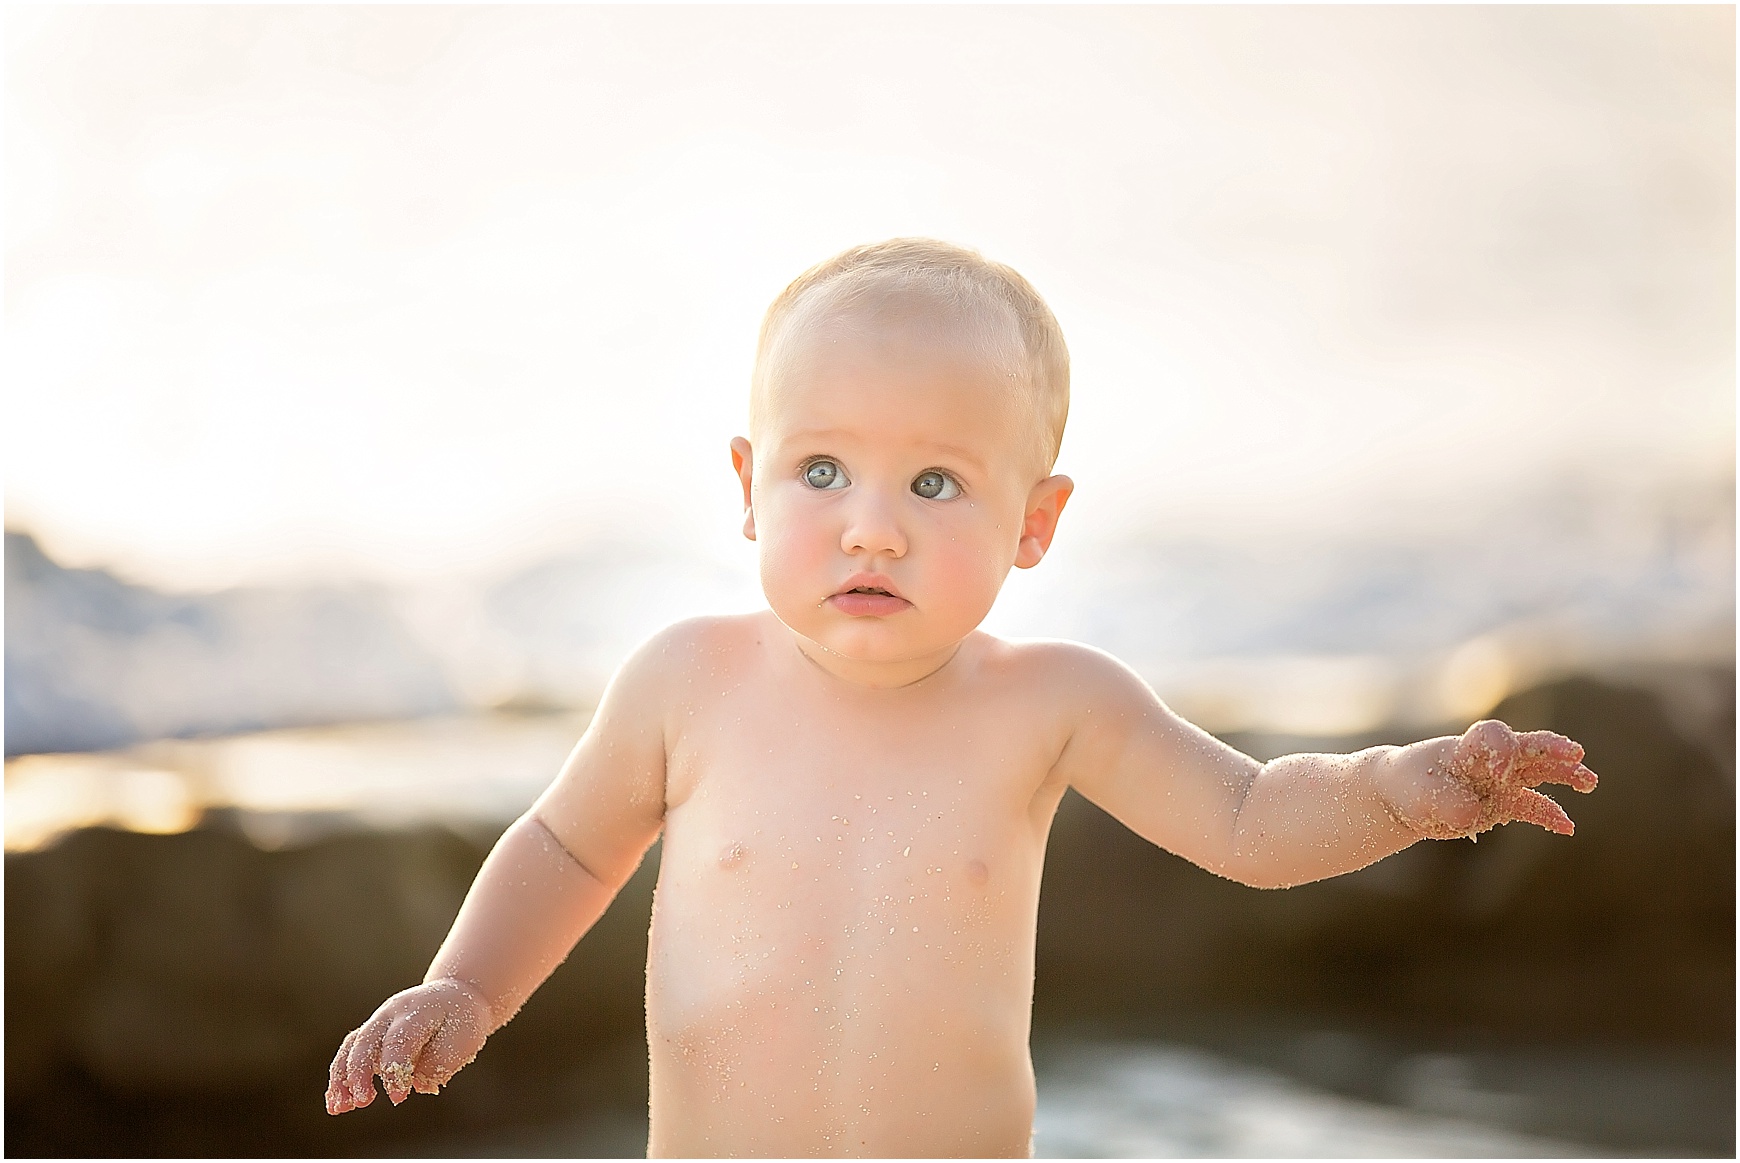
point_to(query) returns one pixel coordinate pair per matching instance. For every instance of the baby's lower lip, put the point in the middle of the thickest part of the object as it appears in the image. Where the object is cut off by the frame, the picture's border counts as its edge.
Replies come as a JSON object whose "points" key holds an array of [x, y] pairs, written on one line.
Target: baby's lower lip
{"points": [[868, 605]]}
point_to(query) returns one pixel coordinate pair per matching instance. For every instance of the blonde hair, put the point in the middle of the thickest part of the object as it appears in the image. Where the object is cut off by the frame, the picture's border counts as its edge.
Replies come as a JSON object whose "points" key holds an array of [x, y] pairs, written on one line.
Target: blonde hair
{"points": [[988, 305]]}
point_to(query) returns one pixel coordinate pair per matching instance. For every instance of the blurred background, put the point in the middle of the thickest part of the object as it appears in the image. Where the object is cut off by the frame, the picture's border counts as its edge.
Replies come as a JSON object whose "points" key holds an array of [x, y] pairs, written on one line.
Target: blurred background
{"points": [[370, 373]]}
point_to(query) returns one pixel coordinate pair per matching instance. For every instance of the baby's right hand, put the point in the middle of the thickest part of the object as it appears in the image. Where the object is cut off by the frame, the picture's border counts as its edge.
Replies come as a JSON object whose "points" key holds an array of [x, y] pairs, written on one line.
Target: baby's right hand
{"points": [[417, 1040]]}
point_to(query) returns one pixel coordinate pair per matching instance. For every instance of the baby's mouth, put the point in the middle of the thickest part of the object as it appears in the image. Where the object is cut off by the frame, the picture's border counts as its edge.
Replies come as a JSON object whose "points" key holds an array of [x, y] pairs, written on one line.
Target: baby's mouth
{"points": [[868, 601]]}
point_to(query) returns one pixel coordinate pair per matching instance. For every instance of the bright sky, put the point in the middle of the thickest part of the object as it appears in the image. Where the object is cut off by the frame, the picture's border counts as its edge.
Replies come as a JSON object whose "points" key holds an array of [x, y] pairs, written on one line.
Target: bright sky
{"points": [[402, 291]]}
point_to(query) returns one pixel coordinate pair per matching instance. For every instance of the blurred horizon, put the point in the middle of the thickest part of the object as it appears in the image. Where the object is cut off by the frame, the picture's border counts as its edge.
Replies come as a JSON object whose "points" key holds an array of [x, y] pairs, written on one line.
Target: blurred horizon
{"points": [[1304, 634]]}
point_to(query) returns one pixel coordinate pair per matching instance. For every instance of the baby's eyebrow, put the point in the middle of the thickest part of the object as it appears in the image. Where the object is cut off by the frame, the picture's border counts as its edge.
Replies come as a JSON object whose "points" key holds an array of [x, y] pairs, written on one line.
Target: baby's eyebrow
{"points": [[959, 454]]}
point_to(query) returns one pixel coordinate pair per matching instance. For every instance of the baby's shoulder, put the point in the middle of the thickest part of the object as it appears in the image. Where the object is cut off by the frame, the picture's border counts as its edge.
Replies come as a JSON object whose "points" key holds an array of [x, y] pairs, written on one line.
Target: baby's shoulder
{"points": [[1057, 667], [711, 640], [713, 631]]}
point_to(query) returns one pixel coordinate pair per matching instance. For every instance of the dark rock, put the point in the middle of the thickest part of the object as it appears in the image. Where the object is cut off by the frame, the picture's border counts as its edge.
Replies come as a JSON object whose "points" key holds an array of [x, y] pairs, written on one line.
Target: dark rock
{"points": [[159, 976]]}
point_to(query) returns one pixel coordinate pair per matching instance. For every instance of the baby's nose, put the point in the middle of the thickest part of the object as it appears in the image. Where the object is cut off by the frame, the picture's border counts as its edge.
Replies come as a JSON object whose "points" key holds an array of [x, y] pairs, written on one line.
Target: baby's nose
{"points": [[873, 526]]}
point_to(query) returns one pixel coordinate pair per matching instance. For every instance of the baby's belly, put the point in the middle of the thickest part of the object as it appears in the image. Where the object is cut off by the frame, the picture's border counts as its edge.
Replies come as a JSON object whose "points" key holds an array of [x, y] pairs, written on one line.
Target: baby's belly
{"points": [[806, 1001]]}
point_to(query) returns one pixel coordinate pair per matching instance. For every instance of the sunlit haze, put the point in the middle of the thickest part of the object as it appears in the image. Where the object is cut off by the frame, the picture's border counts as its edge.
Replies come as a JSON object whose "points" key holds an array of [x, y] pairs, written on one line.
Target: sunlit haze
{"points": [[396, 292]]}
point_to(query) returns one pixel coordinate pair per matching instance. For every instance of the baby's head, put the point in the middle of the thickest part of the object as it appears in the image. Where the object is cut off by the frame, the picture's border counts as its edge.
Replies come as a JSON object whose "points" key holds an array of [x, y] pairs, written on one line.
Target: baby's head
{"points": [[936, 294], [907, 405]]}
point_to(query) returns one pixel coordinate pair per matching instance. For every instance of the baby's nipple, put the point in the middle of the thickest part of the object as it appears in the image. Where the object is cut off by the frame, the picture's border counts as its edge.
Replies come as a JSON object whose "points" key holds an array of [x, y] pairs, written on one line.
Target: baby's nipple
{"points": [[977, 872], [733, 855]]}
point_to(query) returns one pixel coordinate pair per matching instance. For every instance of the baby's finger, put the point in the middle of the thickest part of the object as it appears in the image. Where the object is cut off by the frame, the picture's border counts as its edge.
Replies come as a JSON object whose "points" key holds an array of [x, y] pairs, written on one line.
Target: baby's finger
{"points": [[1541, 771], [1545, 757], [365, 1060], [434, 1067], [1535, 766], [1531, 807], [1548, 745], [337, 1081], [401, 1046]]}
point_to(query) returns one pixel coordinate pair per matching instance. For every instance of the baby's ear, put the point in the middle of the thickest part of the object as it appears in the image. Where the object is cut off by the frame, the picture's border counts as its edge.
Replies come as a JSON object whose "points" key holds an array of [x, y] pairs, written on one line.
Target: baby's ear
{"points": [[1044, 506], [743, 462]]}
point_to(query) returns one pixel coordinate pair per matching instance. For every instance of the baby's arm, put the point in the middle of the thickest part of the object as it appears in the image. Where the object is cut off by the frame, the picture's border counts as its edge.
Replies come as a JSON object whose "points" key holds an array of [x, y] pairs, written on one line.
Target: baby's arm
{"points": [[549, 877], [1300, 817]]}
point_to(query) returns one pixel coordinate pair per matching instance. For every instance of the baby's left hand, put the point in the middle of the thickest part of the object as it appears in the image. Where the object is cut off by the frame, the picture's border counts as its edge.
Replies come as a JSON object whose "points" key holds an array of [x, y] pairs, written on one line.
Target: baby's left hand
{"points": [[1489, 780]]}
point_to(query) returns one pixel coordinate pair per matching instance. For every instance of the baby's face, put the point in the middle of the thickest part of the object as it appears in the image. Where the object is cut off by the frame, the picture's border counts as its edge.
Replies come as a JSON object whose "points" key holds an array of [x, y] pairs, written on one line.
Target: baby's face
{"points": [[890, 485]]}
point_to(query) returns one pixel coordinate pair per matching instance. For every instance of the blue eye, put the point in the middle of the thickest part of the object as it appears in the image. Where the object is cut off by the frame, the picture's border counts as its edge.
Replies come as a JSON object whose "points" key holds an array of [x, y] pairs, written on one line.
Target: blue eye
{"points": [[824, 474], [935, 486]]}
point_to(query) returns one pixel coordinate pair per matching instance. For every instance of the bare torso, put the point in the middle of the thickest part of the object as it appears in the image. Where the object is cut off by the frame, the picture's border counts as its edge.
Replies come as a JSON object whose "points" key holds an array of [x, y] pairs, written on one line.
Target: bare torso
{"points": [[841, 955]]}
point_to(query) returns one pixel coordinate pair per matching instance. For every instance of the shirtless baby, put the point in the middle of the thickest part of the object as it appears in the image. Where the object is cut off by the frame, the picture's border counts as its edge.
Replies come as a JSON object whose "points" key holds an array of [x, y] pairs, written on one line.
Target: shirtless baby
{"points": [[855, 785]]}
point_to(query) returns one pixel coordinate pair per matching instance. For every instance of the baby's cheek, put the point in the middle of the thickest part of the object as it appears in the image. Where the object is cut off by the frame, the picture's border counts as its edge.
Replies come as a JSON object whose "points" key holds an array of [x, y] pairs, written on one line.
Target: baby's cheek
{"points": [[970, 579], [791, 569]]}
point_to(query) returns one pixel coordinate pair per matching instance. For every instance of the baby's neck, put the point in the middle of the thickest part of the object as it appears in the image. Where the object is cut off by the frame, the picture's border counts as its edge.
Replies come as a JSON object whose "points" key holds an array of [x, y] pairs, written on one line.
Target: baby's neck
{"points": [[873, 675]]}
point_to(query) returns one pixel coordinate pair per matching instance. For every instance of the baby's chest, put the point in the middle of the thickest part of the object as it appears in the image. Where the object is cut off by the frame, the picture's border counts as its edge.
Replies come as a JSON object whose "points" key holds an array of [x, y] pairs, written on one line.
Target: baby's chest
{"points": [[873, 799]]}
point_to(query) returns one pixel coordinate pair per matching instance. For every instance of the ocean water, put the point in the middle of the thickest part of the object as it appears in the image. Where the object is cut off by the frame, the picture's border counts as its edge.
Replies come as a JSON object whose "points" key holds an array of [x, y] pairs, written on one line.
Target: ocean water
{"points": [[1115, 1100]]}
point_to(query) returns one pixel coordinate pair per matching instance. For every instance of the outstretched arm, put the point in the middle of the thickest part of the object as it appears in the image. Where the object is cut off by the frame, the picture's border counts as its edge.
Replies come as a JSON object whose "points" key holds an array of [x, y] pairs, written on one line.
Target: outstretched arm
{"points": [[1300, 817], [530, 903], [548, 879]]}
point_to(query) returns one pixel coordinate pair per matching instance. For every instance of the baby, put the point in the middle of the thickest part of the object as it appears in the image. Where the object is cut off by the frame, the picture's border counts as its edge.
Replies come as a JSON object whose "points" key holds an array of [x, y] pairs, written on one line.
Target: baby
{"points": [[855, 785]]}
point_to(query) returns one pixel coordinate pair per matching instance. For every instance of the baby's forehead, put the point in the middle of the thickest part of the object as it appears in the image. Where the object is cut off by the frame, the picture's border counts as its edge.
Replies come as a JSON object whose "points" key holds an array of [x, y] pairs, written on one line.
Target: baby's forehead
{"points": [[903, 331], [945, 360], [876, 392]]}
